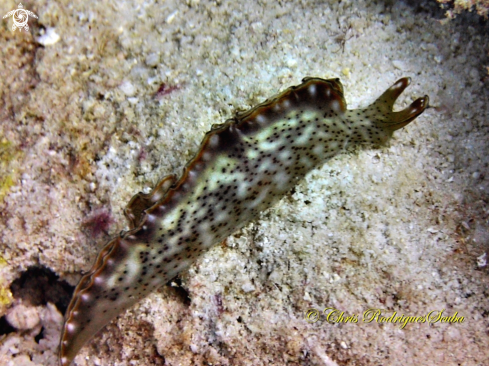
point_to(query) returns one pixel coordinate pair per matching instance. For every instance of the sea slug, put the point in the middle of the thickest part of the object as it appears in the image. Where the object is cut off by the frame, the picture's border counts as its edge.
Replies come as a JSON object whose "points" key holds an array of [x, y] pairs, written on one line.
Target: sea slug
{"points": [[243, 167]]}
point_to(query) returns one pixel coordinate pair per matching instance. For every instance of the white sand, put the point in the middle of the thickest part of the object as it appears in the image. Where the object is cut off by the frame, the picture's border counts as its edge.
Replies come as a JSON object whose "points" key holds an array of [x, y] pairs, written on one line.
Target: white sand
{"points": [[403, 228]]}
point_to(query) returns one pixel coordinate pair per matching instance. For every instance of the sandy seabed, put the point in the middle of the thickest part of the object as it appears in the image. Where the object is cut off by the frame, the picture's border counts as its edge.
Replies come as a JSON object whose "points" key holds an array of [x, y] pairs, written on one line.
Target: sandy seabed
{"points": [[100, 100]]}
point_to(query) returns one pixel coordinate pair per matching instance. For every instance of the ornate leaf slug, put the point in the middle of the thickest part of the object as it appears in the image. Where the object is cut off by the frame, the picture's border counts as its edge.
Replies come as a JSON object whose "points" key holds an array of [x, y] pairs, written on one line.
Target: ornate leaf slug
{"points": [[243, 167]]}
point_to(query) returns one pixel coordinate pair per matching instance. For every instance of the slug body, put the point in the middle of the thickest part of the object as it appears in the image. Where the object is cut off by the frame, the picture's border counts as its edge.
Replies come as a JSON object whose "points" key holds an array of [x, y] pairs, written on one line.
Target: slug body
{"points": [[243, 167]]}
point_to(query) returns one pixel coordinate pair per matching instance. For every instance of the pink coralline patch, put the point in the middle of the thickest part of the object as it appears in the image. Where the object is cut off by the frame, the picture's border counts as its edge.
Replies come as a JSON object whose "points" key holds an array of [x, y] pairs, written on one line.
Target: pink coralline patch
{"points": [[142, 154], [218, 303], [165, 89], [98, 222]]}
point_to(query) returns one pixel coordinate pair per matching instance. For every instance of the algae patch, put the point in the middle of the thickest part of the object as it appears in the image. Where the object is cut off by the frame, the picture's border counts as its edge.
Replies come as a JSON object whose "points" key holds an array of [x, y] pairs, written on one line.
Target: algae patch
{"points": [[6, 297], [9, 155]]}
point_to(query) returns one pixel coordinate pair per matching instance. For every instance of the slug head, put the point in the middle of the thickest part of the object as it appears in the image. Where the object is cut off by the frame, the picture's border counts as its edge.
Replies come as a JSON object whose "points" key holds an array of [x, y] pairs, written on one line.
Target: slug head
{"points": [[377, 122]]}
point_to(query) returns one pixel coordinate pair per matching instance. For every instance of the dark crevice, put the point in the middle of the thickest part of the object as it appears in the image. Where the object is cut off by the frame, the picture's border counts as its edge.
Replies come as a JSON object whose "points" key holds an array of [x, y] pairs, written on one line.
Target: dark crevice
{"points": [[180, 291], [5, 327], [39, 336], [39, 285]]}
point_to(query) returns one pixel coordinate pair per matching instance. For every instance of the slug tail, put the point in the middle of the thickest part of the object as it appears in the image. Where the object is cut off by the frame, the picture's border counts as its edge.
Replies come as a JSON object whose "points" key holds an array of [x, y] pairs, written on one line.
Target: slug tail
{"points": [[114, 284]]}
